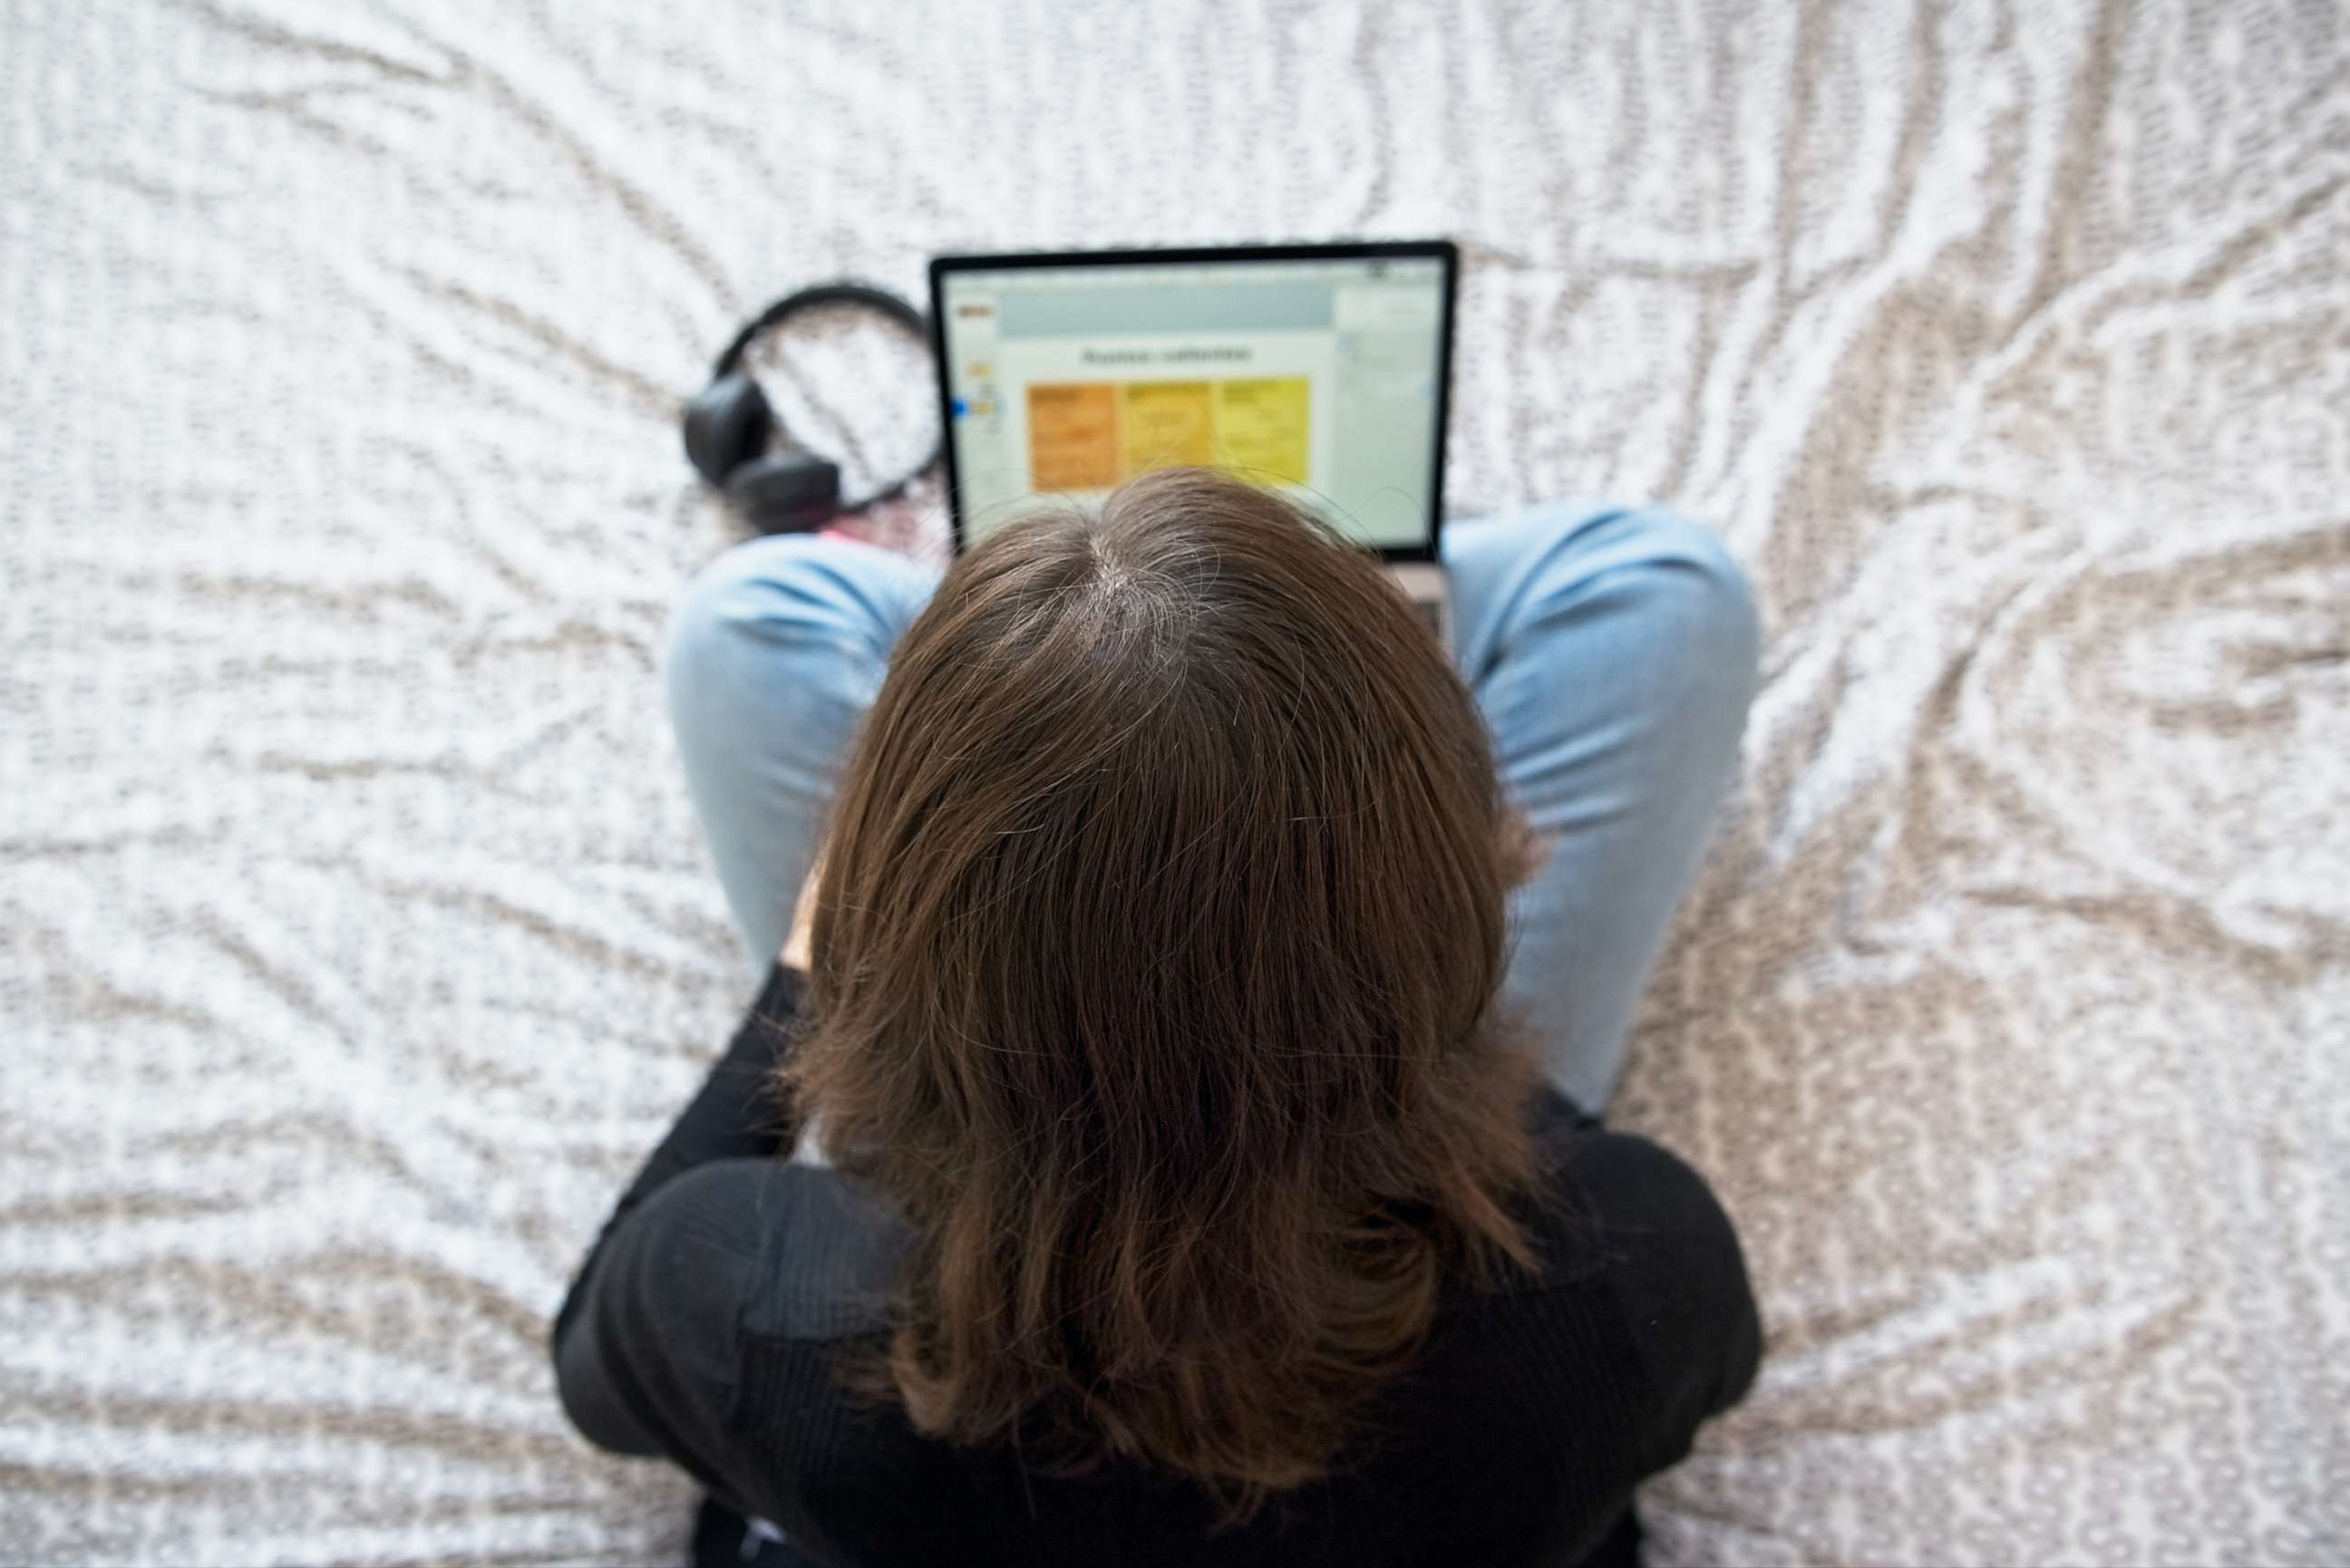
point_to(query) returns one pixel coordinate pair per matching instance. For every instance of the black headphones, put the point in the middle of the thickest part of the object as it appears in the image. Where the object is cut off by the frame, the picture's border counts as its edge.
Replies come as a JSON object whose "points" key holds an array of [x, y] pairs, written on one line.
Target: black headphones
{"points": [[728, 425]]}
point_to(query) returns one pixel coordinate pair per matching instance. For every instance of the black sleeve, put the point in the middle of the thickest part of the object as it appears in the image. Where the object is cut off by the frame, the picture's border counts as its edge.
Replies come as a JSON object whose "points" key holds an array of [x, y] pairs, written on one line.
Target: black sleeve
{"points": [[1680, 1280], [647, 1354], [735, 1118]]}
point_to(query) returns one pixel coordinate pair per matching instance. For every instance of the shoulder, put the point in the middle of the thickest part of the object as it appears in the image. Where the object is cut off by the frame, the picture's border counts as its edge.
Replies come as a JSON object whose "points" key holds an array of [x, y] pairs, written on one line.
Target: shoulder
{"points": [[1645, 1198], [682, 1262], [1626, 1193], [1650, 1232], [1620, 1188], [788, 1251], [729, 1258]]}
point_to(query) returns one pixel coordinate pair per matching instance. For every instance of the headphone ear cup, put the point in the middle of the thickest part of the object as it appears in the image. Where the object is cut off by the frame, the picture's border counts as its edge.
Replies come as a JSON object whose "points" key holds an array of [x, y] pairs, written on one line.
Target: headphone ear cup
{"points": [[788, 494], [727, 424]]}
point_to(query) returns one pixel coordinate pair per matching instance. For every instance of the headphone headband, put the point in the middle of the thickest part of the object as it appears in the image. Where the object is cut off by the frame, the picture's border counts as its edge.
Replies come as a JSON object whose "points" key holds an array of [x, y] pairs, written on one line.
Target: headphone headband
{"points": [[726, 425], [845, 292]]}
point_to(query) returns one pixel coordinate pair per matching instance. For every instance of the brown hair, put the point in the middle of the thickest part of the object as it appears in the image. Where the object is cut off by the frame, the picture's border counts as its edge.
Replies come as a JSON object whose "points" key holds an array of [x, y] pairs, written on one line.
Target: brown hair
{"points": [[1154, 962]]}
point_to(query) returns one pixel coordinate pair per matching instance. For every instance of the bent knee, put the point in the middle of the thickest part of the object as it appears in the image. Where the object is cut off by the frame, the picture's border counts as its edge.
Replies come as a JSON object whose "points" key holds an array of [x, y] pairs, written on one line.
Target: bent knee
{"points": [[787, 609], [774, 594], [1685, 562], [1668, 585]]}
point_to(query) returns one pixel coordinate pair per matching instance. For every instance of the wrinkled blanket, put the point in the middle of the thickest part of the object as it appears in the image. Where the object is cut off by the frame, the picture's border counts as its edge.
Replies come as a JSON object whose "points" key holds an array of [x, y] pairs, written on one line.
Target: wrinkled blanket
{"points": [[357, 940]]}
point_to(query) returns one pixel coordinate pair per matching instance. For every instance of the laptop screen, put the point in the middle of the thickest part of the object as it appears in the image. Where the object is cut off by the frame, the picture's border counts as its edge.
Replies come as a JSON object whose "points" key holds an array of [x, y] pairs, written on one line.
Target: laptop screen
{"points": [[1322, 376]]}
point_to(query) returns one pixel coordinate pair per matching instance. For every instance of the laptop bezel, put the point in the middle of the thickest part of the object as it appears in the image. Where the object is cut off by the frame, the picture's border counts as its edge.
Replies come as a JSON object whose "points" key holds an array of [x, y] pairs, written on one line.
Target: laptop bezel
{"points": [[1430, 549]]}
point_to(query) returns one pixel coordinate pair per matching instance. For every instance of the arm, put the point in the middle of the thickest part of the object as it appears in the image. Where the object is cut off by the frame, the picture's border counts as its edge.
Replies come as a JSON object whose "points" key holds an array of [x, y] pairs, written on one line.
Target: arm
{"points": [[1679, 1279], [735, 1118]]}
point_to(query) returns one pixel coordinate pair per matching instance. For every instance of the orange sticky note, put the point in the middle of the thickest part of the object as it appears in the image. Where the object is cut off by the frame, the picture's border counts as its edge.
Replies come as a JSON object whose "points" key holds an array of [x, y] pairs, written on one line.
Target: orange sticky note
{"points": [[1072, 435]]}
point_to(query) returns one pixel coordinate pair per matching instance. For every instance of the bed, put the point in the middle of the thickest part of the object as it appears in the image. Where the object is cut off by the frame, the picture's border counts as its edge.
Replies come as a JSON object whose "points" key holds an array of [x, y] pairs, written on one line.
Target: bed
{"points": [[357, 940]]}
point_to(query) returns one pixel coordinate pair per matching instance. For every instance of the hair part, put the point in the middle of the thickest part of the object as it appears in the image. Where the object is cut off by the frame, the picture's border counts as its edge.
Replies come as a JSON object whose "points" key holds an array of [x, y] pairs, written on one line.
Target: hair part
{"points": [[1156, 950]]}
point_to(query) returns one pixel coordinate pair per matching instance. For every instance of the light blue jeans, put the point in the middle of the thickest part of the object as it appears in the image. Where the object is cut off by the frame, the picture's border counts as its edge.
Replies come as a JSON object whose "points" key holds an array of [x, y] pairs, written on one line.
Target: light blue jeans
{"points": [[1612, 649]]}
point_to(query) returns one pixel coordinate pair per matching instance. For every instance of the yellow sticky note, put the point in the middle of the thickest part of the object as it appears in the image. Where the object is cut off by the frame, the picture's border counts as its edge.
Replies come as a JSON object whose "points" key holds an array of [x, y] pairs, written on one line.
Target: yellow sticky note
{"points": [[1166, 422], [1261, 428]]}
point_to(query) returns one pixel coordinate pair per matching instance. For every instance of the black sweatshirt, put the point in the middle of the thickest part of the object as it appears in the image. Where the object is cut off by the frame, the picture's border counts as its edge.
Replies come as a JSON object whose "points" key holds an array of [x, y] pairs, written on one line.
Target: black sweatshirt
{"points": [[701, 1326]]}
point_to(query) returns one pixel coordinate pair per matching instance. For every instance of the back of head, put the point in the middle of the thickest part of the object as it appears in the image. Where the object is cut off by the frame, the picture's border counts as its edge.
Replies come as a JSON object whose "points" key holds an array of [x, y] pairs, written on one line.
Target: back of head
{"points": [[1155, 956]]}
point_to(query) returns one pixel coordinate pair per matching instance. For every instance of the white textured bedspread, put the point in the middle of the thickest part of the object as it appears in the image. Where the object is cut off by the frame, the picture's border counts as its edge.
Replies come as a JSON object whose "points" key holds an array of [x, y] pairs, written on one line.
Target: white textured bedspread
{"points": [[355, 939]]}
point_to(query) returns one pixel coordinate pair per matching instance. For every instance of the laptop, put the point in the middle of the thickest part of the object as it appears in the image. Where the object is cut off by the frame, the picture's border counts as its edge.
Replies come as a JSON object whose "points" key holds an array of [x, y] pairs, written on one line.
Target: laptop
{"points": [[1320, 370]]}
